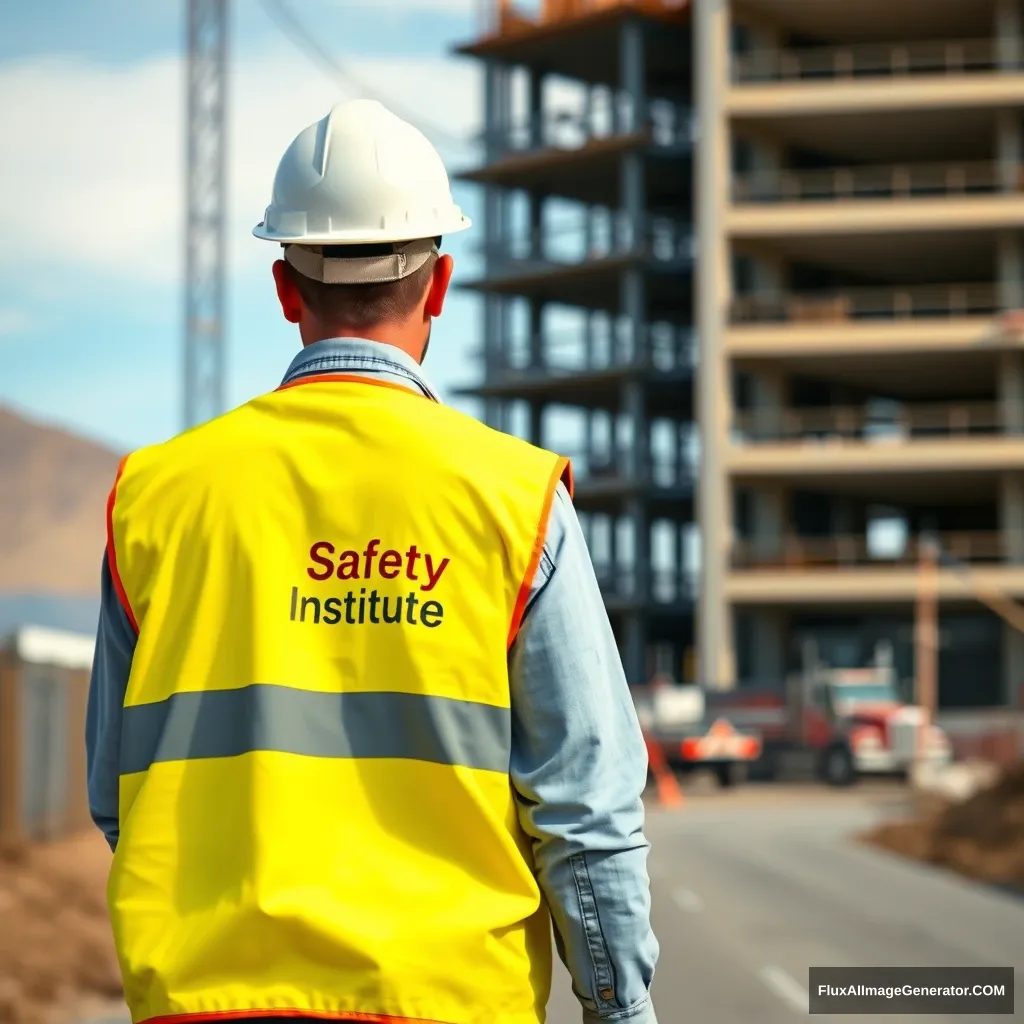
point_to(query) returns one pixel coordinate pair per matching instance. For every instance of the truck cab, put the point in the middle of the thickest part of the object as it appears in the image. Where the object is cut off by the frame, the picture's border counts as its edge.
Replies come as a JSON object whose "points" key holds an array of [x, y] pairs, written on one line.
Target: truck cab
{"points": [[860, 724]]}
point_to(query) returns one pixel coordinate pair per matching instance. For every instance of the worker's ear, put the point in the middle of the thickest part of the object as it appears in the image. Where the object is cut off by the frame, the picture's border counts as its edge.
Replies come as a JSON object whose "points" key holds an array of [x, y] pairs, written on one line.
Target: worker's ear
{"points": [[439, 282], [287, 294]]}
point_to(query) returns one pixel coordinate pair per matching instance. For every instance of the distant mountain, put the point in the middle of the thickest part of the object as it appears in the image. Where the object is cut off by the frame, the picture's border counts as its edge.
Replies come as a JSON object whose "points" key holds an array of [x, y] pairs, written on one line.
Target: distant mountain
{"points": [[53, 493]]}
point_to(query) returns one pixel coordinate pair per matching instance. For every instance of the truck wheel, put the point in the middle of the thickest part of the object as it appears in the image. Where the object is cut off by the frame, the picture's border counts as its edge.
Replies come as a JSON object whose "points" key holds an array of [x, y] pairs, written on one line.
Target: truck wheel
{"points": [[731, 773], [837, 767]]}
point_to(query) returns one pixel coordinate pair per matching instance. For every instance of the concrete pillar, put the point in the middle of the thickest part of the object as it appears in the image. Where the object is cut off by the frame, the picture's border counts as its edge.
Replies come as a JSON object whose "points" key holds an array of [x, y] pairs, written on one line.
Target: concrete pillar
{"points": [[536, 409], [1011, 391], [769, 275], [1013, 667], [537, 139], [632, 219], [537, 424], [769, 394], [1010, 270], [633, 212], [1011, 516], [589, 356], [844, 516], [1009, 149], [634, 72], [768, 514], [767, 161], [768, 639], [1009, 33], [716, 658], [536, 329], [491, 237], [633, 303], [639, 518], [536, 227]]}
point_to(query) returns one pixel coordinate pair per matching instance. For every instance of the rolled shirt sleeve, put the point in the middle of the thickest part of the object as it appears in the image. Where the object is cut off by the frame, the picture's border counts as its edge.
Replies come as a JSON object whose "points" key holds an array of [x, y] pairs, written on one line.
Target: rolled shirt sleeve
{"points": [[579, 767]]}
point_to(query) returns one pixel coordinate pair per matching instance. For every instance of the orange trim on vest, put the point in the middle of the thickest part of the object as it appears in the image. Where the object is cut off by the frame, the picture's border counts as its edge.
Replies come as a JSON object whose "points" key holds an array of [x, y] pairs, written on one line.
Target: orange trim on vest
{"points": [[349, 378], [567, 479], [112, 553], [351, 1015], [561, 467]]}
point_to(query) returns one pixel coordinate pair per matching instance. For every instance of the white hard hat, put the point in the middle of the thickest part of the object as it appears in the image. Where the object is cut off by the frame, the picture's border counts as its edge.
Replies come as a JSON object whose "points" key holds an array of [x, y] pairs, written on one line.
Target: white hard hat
{"points": [[360, 177]]}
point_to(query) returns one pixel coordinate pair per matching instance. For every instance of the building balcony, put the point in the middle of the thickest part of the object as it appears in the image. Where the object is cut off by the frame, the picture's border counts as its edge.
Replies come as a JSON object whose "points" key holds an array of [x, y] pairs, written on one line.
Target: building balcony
{"points": [[568, 155], [841, 571], [862, 423], [900, 325], [670, 592], [871, 60], [581, 39], [876, 200], [828, 309], [792, 552], [570, 370], [604, 483], [909, 463], [953, 74], [592, 277], [887, 181]]}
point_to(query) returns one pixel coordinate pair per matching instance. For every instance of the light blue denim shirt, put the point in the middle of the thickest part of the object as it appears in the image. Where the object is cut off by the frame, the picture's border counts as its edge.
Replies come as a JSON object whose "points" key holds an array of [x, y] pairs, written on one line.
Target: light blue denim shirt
{"points": [[578, 762]]}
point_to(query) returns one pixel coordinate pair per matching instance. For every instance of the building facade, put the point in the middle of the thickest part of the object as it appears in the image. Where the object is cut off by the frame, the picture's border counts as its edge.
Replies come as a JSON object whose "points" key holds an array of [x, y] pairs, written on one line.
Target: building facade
{"points": [[861, 198], [849, 340]]}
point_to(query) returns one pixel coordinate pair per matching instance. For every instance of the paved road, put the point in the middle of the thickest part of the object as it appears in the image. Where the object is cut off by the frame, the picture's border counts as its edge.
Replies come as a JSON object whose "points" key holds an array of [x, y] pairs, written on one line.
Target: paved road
{"points": [[751, 888]]}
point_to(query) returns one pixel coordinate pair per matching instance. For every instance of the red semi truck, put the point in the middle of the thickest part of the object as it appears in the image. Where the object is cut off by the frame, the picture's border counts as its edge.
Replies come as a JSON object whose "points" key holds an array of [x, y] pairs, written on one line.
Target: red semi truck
{"points": [[839, 724], [834, 724]]}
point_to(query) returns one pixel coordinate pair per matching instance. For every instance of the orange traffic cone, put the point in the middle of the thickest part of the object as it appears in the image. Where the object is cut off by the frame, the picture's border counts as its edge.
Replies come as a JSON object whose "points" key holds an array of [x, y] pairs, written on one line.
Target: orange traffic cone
{"points": [[670, 793]]}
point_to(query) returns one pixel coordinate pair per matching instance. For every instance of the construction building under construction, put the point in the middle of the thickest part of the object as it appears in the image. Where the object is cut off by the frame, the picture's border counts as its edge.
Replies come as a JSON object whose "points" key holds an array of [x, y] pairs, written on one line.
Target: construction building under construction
{"points": [[587, 286], [862, 367], [859, 208]]}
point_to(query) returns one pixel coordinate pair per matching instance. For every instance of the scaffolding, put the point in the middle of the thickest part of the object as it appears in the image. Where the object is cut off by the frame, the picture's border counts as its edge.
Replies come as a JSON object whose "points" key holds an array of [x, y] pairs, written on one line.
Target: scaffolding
{"points": [[587, 260]]}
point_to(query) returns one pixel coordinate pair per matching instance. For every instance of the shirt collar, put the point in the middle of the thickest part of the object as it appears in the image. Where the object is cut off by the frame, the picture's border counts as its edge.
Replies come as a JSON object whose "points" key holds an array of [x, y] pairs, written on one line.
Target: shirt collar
{"points": [[361, 357]]}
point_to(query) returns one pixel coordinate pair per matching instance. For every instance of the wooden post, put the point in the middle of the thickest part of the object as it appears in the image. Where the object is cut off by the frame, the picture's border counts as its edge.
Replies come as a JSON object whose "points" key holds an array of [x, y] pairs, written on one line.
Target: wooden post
{"points": [[927, 641], [10, 753]]}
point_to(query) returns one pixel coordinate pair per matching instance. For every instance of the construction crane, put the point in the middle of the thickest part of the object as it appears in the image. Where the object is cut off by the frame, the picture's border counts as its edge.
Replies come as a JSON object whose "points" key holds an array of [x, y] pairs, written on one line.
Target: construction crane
{"points": [[205, 229]]}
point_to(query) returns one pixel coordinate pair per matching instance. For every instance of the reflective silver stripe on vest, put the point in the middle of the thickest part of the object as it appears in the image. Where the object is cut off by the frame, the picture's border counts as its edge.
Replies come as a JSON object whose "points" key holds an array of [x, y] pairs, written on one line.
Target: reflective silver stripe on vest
{"points": [[226, 723]]}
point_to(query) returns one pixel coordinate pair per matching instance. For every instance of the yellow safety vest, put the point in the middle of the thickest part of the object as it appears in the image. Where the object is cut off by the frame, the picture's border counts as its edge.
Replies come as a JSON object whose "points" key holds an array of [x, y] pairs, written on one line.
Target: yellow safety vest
{"points": [[316, 816]]}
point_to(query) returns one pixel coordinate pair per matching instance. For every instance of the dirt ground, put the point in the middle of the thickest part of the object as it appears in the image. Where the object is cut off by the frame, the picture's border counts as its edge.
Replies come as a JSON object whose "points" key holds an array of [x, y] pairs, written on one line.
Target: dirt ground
{"points": [[56, 950], [982, 838]]}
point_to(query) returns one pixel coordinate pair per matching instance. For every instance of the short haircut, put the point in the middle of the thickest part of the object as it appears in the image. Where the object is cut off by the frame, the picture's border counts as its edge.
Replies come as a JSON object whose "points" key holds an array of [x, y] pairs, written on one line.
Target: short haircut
{"points": [[358, 307]]}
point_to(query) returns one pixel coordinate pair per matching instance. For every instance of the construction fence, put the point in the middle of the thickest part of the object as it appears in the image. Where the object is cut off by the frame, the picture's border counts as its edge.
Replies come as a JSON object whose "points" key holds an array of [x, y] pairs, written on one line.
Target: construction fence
{"points": [[44, 685]]}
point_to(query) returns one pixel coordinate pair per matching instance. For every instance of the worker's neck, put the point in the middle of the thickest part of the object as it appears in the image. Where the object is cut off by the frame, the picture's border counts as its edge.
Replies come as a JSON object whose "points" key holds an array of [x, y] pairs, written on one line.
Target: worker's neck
{"points": [[407, 337]]}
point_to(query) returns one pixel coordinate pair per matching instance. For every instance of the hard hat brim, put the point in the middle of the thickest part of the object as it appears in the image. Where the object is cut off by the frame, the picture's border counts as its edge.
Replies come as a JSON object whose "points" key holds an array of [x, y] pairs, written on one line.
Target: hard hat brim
{"points": [[363, 237]]}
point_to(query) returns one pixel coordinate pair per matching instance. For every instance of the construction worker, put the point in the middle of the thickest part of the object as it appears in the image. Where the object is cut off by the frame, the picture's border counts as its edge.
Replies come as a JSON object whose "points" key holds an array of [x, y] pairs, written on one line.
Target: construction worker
{"points": [[357, 720]]}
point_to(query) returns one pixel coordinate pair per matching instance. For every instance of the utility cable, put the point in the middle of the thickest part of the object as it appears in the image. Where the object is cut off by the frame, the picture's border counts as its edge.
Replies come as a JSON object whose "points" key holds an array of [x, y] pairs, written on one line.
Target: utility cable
{"points": [[287, 22]]}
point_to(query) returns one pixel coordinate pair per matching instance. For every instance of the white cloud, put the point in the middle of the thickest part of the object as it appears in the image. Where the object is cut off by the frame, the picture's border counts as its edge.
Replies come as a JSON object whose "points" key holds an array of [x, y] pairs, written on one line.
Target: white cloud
{"points": [[93, 168]]}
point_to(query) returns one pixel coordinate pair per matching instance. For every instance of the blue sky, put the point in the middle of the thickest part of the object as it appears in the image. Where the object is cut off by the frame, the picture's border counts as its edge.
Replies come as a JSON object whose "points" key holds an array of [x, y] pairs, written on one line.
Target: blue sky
{"points": [[91, 105]]}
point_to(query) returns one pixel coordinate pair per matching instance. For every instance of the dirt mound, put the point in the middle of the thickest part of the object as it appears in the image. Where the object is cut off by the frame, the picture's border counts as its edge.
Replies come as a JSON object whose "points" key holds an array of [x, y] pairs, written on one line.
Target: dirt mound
{"points": [[982, 837], [56, 949]]}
